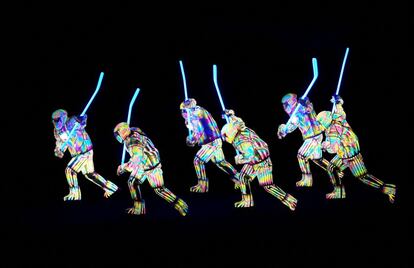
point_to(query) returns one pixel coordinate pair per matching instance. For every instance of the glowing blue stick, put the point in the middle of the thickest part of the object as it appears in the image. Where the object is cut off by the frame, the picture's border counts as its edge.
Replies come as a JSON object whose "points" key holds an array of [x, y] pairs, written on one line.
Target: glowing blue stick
{"points": [[219, 95], [84, 110], [131, 104], [315, 76], [340, 76], [185, 91], [218, 91], [184, 80]]}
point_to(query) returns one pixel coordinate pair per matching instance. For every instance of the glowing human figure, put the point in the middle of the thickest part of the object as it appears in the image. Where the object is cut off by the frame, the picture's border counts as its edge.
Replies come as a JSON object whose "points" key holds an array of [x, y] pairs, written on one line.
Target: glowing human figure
{"points": [[254, 155], [144, 164], [80, 148], [305, 120], [342, 141], [204, 132]]}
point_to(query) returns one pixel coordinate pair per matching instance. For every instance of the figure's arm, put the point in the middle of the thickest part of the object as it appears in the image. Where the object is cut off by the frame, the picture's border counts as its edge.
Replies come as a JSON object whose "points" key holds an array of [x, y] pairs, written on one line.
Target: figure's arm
{"points": [[59, 150], [135, 163], [194, 125], [237, 121], [81, 120], [339, 113], [287, 128], [246, 155]]}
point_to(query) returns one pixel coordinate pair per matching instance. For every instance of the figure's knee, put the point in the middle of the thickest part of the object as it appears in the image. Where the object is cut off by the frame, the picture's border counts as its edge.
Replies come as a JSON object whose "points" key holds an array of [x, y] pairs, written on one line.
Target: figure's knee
{"points": [[159, 190], [131, 180], [198, 161], [267, 186], [69, 171], [301, 157], [91, 174]]}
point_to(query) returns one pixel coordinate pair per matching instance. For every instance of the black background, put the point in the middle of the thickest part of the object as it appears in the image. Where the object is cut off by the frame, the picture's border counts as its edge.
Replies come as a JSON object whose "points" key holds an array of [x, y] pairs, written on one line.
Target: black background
{"points": [[262, 53]]}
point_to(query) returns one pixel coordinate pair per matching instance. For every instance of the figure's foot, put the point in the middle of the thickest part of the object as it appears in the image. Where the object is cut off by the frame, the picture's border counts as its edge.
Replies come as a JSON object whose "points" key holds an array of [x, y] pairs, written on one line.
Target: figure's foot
{"points": [[290, 202], [306, 181], [110, 189], [201, 187], [181, 206], [246, 202], [337, 193], [138, 209], [390, 190], [74, 194]]}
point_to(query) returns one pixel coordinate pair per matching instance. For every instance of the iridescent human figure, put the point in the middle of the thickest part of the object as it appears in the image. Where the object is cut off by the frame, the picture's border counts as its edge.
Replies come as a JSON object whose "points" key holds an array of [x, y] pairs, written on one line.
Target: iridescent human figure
{"points": [[305, 120], [342, 141], [144, 164], [254, 155], [205, 133], [80, 148]]}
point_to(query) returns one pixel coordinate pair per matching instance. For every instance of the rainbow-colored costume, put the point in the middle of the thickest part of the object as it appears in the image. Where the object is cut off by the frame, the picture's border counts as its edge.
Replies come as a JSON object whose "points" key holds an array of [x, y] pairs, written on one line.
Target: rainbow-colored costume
{"points": [[311, 149], [254, 155], [80, 148], [342, 141], [205, 133], [144, 164]]}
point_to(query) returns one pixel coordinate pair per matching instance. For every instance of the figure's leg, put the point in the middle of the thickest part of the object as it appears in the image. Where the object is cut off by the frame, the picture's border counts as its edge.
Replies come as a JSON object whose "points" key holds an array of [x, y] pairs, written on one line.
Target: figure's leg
{"points": [[324, 164], [88, 170], [306, 180], [246, 175], [74, 190], [202, 157], [358, 169], [139, 203], [108, 186], [265, 178], [156, 181], [202, 184], [339, 189], [308, 150], [219, 160]]}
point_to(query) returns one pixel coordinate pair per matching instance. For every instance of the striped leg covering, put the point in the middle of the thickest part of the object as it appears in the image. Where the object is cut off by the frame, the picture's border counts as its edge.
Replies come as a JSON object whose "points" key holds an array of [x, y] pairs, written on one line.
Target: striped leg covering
{"points": [[156, 180], [74, 190], [139, 203], [358, 169], [265, 178]]}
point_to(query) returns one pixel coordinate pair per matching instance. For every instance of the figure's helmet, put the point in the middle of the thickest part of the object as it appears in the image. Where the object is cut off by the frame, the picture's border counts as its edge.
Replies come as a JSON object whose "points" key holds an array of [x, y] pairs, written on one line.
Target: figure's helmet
{"points": [[325, 119], [289, 102], [122, 131], [59, 118], [188, 104], [229, 132]]}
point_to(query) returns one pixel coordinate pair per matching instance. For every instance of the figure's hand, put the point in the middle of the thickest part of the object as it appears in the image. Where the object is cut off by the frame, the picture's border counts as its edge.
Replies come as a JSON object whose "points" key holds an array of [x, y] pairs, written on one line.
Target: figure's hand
{"points": [[81, 119], [227, 112], [190, 142], [238, 159], [281, 131], [303, 102], [336, 99], [120, 170], [58, 153]]}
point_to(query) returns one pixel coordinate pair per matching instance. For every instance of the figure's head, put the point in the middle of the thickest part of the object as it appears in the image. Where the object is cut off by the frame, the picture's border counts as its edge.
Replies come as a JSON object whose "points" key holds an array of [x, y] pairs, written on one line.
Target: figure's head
{"points": [[325, 119], [229, 132], [187, 104], [122, 131], [289, 102], [59, 118]]}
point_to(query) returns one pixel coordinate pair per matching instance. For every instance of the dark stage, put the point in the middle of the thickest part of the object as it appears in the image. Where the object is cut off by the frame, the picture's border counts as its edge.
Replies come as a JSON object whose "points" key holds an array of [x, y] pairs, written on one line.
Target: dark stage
{"points": [[262, 53]]}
